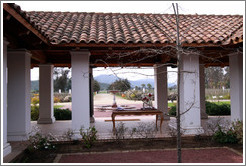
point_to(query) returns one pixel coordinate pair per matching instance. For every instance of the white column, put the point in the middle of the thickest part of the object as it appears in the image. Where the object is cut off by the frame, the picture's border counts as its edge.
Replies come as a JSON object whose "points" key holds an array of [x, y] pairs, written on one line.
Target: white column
{"points": [[202, 93], [161, 92], [80, 90], [6, 146], [46, 109], [190, 95], [236, 86], [19, 109]]}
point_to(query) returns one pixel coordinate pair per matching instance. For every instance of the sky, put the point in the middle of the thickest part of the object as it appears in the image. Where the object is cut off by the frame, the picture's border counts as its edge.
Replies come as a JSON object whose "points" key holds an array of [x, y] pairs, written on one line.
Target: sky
{"points": [[185, 7]]}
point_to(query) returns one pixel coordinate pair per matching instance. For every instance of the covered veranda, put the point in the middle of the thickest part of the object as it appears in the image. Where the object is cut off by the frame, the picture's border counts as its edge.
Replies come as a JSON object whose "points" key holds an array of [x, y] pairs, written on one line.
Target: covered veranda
{"points": [[84, 41]]}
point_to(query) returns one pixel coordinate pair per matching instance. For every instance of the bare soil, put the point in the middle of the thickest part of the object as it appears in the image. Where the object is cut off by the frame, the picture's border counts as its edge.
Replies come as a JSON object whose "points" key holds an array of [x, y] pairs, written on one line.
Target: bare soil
{"points": [[48, 156]]}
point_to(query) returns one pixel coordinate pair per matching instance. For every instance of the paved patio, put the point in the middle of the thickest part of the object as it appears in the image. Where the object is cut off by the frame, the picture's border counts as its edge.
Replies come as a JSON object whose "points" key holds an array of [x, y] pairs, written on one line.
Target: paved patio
{"points": [[104, 125], [104, 128]]}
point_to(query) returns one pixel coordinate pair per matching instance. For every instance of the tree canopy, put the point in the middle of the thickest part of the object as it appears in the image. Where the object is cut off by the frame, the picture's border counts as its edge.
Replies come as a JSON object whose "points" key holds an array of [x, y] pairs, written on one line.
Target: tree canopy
{"points": [[96, 86], [61, 80], [216, 77], [120, 84]]}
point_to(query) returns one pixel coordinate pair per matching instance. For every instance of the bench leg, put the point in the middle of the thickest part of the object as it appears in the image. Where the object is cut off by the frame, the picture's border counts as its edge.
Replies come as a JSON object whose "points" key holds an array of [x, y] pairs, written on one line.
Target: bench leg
{"points": [[162, 119], [156, 120], [113, 120]]}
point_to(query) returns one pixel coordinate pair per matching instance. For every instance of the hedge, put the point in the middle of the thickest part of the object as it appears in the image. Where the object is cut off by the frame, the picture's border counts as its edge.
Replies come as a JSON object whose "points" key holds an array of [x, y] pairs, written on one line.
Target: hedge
{"points": [[60, 114], [214, 109]]}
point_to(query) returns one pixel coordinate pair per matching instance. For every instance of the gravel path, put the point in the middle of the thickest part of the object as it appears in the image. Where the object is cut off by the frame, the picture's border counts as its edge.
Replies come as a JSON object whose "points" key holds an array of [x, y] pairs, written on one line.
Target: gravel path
{"points": [[103, 99]]}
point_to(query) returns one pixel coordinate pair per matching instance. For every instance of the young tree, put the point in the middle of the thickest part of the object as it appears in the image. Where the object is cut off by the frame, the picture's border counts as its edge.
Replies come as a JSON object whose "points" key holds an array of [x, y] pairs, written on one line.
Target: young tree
{"points": [[143, 86], [149, 86], [213, 77], [96, 86], [120, 84], [61, 80]]}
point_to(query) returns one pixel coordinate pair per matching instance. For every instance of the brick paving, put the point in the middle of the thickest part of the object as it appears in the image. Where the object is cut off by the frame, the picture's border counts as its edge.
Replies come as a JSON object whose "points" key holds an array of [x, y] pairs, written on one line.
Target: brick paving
{"points": [[205, 155]]}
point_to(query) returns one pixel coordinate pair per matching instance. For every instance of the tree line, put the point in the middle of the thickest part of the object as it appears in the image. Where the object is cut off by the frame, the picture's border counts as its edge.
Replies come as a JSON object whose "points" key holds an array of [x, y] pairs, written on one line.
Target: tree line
{"points": [[215, 78]]}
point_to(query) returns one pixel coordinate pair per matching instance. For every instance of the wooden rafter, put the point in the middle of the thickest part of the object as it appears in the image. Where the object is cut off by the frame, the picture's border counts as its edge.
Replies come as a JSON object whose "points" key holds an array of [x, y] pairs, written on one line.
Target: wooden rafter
{"points": [[19, 18], [38, 56]]}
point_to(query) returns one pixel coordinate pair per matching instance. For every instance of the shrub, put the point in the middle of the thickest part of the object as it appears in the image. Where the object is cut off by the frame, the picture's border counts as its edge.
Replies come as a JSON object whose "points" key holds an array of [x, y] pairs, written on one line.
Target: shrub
{"points": [[232, 135], [120, 132], [68, 134], [34, 113], [59, 114], [221, 136], [56, 100], [237, 128], [217, 109], [172, 111], [40, 141], [211, 109], [89, 136], [146, 130], [62, 114], [35, 100]]}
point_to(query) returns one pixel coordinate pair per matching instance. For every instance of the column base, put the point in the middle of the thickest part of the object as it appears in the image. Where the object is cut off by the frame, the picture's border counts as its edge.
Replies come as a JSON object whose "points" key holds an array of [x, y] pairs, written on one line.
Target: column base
{"points": [[46, 120], [6, 149], [204, 115], [189, 130], [193, 130], [17, 136]]}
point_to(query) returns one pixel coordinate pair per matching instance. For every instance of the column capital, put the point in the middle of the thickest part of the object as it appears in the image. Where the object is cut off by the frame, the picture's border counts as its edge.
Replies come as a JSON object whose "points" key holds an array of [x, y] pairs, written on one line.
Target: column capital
{"points": [[46, 64], [20, 51], [80, 52]]}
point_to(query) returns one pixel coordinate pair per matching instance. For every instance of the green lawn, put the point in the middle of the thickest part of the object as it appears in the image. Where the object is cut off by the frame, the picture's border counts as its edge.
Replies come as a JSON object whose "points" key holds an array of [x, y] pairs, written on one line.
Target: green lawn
{"points": [[222, 102], [171, 104], [58, 106]]}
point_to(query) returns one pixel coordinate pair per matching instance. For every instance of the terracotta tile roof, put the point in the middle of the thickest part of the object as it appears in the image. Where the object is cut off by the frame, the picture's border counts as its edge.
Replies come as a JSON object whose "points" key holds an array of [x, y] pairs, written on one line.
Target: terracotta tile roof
{"points": [[74, 27]]}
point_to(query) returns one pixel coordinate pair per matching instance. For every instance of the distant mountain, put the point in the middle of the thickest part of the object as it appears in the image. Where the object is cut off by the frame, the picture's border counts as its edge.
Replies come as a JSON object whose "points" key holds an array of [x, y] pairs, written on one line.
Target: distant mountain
{"points": [[108, 79], [142, 81]]}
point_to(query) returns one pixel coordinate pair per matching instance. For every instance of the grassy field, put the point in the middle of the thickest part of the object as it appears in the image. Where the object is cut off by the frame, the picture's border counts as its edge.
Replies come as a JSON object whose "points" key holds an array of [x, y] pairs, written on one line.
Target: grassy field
{"points": [[58, 106]]}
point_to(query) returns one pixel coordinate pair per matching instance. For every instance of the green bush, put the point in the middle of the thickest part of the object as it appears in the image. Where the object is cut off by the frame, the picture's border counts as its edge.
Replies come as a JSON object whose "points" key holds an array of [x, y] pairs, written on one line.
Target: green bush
{"points": [[172, 111], [217, 109], [221, 136], [237, 128], [89, 136], [34, 113], [211, 109], [60, 114]]}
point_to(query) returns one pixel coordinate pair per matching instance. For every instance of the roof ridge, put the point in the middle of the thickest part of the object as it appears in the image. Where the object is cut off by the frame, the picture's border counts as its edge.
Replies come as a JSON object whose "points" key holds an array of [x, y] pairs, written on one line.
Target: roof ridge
{"points": [[119, 13]]}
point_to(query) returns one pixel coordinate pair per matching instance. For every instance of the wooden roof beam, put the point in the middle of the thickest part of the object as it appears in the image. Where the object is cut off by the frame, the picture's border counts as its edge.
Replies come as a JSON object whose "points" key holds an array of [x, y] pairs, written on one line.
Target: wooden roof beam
{"points": [[38, 56], [19, 18]]}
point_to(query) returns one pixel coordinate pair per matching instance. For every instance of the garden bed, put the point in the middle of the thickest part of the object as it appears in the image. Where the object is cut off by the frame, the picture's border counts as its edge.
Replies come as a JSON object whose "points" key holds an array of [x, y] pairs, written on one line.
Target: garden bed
{"points": [[48, 156]]}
